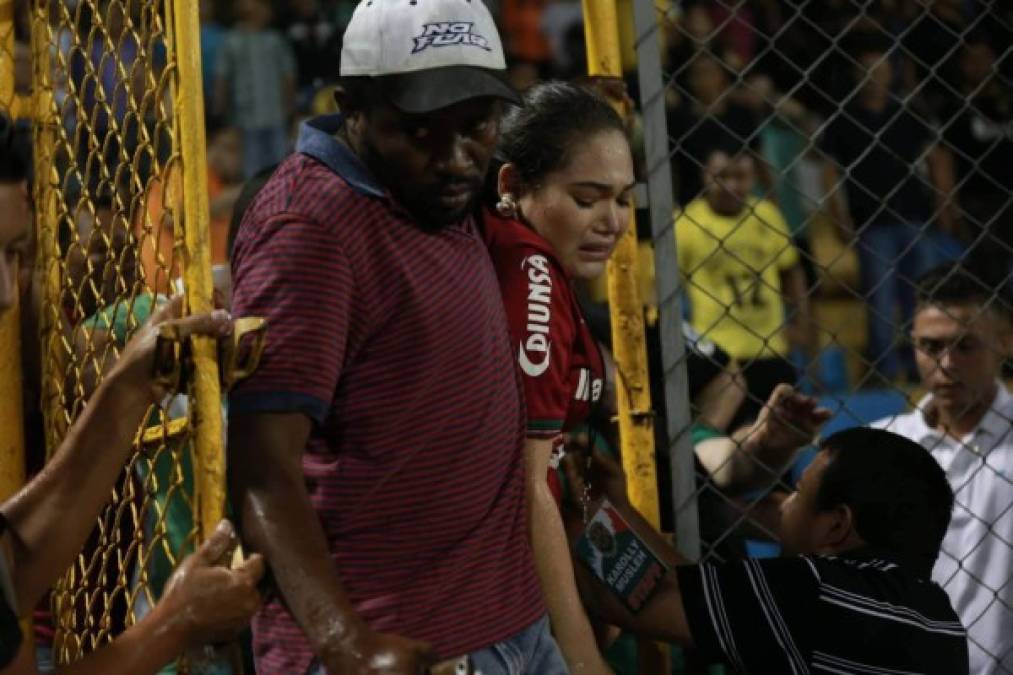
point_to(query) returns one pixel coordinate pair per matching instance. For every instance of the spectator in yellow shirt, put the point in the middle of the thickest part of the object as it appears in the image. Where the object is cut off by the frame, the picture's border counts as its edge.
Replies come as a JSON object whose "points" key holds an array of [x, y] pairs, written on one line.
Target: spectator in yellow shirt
{"points": [[746, 289]]}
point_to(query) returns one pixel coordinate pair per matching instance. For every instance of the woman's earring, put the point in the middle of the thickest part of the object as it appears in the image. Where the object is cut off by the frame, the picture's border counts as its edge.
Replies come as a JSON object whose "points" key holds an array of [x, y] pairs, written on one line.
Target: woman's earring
{"points": [[507, 206]]}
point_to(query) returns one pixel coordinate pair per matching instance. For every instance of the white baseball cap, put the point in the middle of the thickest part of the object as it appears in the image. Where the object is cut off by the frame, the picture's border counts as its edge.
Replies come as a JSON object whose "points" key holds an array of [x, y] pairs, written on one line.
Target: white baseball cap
{"points": [[426, 54]]}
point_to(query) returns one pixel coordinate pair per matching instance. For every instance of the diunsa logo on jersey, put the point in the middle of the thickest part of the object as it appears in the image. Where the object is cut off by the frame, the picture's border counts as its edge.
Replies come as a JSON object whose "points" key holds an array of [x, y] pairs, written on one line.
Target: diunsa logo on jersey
{"points": [[534, 350], [446, 33]]}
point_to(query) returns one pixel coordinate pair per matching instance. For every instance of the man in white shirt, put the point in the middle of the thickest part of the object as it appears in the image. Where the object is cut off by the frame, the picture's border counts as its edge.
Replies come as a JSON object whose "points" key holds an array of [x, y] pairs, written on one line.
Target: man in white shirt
{"points": [[961, 333]]}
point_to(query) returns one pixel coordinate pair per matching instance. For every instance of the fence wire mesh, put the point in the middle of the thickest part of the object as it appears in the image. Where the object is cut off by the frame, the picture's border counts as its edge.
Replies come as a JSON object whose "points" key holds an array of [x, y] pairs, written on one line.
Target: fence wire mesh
{"points": [[823, 158], [109, 203]]}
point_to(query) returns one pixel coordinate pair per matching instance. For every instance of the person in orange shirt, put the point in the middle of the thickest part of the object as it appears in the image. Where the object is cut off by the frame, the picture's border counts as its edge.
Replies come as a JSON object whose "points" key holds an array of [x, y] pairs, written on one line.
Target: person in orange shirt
{"points": [[153, 225], [522, 28]]}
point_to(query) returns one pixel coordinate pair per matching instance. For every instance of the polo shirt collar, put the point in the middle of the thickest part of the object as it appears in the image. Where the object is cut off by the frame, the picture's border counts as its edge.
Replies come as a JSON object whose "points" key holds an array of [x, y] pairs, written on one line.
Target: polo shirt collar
{"points": [[993, 423], [874, 555], [316, 140]]}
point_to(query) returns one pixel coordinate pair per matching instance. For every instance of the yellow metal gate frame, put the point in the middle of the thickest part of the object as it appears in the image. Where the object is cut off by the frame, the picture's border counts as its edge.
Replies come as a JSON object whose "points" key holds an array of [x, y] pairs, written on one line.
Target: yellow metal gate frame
{"points": [[203, 426], [636, 420]]}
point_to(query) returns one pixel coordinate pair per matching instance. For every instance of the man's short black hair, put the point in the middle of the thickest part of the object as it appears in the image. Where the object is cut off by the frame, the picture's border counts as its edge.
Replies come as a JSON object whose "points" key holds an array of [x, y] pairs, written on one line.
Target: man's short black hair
{"points": [[15, 151], [898, 494], [956, 284]]}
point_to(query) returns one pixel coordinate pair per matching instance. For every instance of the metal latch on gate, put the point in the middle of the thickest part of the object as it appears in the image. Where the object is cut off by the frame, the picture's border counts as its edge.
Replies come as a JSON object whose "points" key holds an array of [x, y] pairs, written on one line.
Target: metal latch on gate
{"points": [[237, 356]]}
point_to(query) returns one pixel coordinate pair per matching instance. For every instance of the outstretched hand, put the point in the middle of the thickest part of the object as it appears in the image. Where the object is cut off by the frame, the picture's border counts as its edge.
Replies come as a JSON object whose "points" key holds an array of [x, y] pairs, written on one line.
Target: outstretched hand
{"points": [[135, 366], [209, 601], [788, 420]]}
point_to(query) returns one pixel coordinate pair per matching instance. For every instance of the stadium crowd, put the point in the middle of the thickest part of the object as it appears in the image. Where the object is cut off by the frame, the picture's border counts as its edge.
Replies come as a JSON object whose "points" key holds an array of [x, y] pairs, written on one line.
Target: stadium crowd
{"points": [[419, 197], [882, 124]]}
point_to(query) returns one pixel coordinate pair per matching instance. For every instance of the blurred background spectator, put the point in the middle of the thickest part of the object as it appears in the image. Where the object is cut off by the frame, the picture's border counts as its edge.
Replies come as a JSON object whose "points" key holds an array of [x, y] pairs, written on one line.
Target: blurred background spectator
{"points": [[979, 131], [212, 34], [705, 116], [255, 84], [876, 148], [892, 118], [315, 37], [225, 180], [743, 279]]}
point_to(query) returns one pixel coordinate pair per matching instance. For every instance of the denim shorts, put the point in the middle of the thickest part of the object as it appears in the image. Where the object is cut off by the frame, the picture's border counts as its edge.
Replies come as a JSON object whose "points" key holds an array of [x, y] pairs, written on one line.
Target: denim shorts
{"points": [[533, 651]]}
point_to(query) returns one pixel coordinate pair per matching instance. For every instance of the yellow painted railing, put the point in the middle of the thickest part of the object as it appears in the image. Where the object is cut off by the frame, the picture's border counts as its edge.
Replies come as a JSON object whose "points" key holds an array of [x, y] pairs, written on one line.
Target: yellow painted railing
{"points": [[636, 422]]}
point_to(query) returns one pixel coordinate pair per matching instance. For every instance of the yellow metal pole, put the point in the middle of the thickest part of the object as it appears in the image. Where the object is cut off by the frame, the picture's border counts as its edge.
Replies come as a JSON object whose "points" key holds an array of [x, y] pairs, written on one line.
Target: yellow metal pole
{"points": [[209, 464], [636, 423], [6, 54], [12, 439]]}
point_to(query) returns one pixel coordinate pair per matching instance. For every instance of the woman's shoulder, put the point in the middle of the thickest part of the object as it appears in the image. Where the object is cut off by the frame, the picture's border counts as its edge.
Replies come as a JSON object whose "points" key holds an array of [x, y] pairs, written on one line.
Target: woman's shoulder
{"points": [[511, 241]]}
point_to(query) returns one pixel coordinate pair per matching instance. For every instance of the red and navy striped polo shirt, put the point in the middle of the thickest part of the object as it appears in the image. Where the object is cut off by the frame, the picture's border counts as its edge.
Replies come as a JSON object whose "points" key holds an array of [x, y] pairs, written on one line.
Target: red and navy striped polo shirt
{"points": [[394, 341]]}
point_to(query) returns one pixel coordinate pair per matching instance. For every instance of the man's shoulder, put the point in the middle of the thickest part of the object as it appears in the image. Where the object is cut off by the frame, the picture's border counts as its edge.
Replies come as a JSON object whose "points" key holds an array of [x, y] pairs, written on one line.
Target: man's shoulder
{"points": [[123, 315], [277, 42], [515, 247], [910, 424], [234, 39], [304, 188], [1004, 401], [897, 587]]}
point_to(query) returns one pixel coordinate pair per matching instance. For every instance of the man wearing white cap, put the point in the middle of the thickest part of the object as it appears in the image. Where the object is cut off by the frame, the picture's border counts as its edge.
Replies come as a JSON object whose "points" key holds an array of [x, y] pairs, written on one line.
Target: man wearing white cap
{"points": [[376, 456]]}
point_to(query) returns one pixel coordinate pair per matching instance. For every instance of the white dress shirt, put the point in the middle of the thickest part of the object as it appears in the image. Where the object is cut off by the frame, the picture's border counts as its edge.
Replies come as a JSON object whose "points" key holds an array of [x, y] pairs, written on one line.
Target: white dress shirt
{"points": [[975, 565]]}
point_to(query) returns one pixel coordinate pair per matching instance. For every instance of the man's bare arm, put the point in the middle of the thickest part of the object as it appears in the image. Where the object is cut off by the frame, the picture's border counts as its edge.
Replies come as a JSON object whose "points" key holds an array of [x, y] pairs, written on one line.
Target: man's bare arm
{"points": [[554, 565], [941, 174], [203, 603], [277, 520], [755, 456], [718, 401]]}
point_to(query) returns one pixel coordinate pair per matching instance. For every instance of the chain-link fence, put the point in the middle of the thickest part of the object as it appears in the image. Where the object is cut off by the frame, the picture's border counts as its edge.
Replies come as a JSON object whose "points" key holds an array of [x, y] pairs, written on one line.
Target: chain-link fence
{"points": [[807, 165], [118, 158]]}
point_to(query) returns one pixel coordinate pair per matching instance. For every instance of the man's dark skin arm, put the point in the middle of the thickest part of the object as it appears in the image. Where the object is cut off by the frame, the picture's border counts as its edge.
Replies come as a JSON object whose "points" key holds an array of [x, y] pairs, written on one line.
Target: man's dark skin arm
{"points": [[277, 520]]}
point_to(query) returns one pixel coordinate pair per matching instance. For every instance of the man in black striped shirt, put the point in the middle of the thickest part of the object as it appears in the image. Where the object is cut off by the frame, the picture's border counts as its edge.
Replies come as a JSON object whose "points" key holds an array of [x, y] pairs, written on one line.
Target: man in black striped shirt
{"points": [[864, 529]]}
